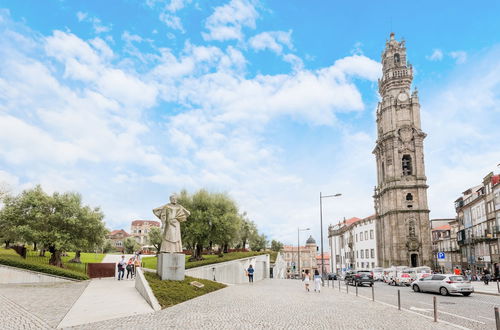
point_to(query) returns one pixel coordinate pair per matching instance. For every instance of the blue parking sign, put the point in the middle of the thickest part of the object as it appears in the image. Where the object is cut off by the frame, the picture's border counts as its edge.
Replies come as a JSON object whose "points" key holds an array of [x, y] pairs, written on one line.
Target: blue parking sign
{"points": [[441, 255]]}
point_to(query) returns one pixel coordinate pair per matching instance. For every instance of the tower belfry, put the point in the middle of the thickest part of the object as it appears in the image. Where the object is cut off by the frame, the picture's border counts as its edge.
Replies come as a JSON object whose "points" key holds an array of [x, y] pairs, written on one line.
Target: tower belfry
{"points": [[403, 225]]}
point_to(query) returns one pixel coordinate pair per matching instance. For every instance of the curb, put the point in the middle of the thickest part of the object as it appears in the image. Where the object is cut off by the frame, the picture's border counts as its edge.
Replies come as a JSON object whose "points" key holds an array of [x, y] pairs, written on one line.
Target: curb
{"points": [[142, 286], [487, 293]]}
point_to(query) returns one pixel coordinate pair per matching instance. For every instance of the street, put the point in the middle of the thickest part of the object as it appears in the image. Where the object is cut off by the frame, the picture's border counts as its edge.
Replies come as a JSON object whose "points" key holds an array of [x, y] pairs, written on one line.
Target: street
{"points": [[473, 312]]}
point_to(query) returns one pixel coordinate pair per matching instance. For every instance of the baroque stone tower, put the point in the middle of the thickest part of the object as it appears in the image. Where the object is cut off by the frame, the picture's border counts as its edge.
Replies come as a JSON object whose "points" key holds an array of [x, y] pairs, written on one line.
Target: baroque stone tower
{"points": [[401, 209]]}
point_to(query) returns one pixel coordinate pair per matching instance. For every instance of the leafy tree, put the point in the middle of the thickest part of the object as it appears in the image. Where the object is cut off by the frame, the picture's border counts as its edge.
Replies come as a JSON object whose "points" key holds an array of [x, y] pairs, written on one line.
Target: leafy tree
{"points": [[258, 242], [130, 245], [154, 238], [276, 246], [247, 230], [107, 246], [57, 222]]}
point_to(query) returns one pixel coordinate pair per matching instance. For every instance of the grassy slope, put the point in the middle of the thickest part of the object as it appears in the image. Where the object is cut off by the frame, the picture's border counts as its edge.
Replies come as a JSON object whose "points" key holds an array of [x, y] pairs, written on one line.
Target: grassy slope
{"points": [[170, 293], [150, 262]]}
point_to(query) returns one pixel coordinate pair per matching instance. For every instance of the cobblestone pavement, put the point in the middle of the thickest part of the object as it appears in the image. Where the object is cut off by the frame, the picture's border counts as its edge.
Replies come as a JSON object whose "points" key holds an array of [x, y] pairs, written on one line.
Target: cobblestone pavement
{"points": [[47, 301], [16, 317], [274, 304]]}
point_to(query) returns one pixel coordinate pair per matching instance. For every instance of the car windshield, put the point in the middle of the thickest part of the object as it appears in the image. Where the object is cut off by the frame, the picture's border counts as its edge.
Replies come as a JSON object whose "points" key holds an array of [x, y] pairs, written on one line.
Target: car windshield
{"points": [[457, 278]]}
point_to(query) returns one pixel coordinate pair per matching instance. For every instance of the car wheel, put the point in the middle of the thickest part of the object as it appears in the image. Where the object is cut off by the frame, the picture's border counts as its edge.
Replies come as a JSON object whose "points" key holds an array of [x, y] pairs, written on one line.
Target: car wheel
{"points": [[466, 294], [443, 291], [371, 284], [416, 288]]}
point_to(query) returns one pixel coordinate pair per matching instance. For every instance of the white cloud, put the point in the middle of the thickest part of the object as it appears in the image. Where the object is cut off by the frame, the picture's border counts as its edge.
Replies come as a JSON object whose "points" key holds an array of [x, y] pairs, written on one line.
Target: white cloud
{"points": [[437, 55], [172, 21], [227, 21], [96, 22], [272, 40], [176, 5], [459, 56]]}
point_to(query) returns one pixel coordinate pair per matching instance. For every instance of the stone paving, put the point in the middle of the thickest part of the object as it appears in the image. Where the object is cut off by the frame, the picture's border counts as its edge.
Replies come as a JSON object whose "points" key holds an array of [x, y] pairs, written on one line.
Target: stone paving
{"points": [[274, 304], [16, 317], [46, 301]]}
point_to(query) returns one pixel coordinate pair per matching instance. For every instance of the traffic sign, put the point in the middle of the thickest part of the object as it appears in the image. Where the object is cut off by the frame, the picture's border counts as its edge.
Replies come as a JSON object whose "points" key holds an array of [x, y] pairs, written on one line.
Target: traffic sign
{"points": [[441, 255]]}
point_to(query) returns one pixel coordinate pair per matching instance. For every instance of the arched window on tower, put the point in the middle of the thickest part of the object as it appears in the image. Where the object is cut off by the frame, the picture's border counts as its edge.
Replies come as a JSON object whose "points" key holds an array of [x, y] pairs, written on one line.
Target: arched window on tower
{"points": [[406, 165], [409, 197], [383, 171], [397, 59]]}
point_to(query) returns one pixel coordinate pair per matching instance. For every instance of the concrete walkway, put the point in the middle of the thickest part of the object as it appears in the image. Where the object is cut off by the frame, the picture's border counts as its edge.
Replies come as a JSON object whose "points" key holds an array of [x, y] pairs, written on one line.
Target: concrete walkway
{"points": [[105, 299], [491, 288]]}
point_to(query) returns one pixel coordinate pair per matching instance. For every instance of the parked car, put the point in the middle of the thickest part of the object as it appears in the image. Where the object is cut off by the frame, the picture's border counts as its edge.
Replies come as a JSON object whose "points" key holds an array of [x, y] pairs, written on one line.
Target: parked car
{"points": [[378, 274], [359, 277], [443, 284], [332, 276], [402, 278]]}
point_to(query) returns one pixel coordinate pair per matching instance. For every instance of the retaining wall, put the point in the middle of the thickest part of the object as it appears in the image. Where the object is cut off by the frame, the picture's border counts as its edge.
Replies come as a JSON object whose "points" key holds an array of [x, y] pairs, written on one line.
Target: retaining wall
{"points": [[12, 275]]}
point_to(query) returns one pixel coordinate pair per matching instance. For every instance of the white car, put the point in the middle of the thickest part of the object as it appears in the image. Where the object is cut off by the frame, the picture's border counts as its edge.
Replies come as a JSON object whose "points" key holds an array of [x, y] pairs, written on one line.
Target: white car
{"points": [[443, 284]]}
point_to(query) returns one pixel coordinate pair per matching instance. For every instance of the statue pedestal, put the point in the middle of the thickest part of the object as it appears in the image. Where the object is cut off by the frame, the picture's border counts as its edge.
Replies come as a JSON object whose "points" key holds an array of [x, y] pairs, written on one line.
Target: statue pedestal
{"points": [[171, 266]]}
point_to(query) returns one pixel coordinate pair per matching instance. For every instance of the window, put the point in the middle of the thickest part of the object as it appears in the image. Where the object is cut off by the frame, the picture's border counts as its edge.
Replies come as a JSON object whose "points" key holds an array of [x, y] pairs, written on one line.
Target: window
{"points": [[372, 251], [357, 254], [356, 237], [373, 265], [406, 165], [371, 234], [366, 254], [366, 235], [362, 253], [362, 265], [409, 197], [360, 236], [397, 59]]}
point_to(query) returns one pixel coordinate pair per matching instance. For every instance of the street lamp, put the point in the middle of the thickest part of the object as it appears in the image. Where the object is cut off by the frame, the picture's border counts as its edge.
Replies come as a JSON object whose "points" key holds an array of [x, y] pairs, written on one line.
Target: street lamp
{"points": [[298, 246], [321, 226]]}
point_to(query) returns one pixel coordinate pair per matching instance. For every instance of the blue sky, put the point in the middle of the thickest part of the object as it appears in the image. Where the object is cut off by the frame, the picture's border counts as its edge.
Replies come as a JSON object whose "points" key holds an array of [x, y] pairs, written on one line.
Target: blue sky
{"points": [[270, 101]]}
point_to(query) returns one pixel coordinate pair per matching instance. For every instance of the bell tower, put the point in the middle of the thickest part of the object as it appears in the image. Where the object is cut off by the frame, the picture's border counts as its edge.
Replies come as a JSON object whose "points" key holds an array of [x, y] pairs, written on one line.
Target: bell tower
{"points": [[401, 209]]}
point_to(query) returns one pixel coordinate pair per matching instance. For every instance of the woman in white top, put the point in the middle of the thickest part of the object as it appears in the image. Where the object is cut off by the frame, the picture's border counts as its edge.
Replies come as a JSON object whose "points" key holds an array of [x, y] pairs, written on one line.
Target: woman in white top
{"points": [[306, 280], [317, 281]]}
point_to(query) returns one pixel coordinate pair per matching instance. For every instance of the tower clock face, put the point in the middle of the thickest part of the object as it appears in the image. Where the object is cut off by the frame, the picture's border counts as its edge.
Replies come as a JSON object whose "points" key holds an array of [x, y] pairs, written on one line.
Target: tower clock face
{"points": [[402, 97]]}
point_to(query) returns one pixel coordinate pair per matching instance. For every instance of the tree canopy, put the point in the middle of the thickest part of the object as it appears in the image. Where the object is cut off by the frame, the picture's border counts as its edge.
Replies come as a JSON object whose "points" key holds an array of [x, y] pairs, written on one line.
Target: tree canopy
{"points": [[57, 222]]}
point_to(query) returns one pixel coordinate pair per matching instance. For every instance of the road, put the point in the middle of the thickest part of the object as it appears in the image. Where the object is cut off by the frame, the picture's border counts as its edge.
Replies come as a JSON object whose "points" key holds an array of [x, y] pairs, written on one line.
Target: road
{"points": [[473, 312]]}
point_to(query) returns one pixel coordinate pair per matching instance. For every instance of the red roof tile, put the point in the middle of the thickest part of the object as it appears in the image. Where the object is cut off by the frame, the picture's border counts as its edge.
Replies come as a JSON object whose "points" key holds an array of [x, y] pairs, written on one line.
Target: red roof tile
{"points": [[141, 223], [443, 227]]}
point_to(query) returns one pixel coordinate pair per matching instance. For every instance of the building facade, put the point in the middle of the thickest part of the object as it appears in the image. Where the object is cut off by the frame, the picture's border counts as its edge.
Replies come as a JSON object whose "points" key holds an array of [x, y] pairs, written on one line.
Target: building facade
{"points": [[478, 215], [117, 237], [400, 196], [140, 229], [307, 258], [446, 251], [353, 245]]}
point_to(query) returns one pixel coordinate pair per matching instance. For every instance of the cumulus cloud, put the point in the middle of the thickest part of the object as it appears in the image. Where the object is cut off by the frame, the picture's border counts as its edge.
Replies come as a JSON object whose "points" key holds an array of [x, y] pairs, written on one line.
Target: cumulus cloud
{"points": [[272, 40], [227, 21], [459, 56], [97, 24], [437, 55]]}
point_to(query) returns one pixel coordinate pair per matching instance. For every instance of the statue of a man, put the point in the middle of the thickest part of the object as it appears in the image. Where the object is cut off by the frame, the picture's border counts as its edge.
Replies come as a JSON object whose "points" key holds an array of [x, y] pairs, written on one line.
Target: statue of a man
{"points": [[171, 216]]}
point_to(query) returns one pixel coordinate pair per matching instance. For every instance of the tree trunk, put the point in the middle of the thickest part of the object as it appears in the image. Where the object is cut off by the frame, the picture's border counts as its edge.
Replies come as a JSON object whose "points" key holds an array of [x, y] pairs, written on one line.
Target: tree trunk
{"points": [[226, 248], [34, 246], [55, 257], [42, 253], [7, 243], [197, 253], [76, 259]]}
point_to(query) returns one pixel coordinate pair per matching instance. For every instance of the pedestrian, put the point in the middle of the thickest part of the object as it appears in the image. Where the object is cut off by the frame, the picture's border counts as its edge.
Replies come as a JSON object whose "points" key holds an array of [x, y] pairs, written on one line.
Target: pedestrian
{"points": [[130, 268], [250, 272], [306, 280], [121, 268], [317, 281], [456, 271], [486, 276], [137, 264]]}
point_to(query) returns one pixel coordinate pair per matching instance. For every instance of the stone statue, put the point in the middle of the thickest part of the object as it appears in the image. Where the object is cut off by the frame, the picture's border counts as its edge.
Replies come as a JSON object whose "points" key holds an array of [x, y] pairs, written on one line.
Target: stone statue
{"points": [[171, 216]]}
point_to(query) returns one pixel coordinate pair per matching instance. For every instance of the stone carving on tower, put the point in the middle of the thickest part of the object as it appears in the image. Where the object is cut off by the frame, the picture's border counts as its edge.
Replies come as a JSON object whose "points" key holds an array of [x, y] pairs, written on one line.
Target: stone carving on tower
{"points": [[403, 225]]}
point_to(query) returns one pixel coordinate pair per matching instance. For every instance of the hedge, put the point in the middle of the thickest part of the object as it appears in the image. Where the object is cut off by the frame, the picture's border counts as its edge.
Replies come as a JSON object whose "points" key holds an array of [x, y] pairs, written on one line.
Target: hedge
{"points": [[47, 269]]}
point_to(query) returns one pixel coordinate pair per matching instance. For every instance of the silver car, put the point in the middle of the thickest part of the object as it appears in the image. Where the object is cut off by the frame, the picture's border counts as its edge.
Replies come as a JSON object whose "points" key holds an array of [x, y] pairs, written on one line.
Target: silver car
{"points": [[443, 284]]}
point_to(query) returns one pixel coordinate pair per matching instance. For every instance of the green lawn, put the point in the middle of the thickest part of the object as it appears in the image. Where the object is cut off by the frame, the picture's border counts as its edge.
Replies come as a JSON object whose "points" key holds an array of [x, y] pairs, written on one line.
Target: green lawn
{"points": [[9, 257], [150, 262], [170, 293]]}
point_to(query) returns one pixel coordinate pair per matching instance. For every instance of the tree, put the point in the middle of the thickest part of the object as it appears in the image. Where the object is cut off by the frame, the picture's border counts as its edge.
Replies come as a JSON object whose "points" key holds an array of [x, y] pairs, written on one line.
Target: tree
{"points": [[276, 246], [57, 222], [107, 246], [154, 238], [247, 230], [130, 245], [258, 242]]}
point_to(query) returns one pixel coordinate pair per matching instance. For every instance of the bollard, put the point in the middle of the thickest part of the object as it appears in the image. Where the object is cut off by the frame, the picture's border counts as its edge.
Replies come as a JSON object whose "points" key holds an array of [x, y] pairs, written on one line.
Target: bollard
{"points": [[339, 285], [399, 299], [356, 288], [373, 293], [497, 318], [347, 287], [435, 309], [498, 285]]}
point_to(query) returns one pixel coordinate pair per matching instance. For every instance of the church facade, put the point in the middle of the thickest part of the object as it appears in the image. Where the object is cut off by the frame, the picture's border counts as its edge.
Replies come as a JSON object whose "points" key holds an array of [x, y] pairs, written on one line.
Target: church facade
{"points": [[402, 213]]}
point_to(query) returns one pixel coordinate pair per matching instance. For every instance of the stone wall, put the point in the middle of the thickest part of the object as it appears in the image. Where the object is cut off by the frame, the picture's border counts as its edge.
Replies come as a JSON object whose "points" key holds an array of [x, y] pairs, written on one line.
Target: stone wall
{"points": [[9, 275]]}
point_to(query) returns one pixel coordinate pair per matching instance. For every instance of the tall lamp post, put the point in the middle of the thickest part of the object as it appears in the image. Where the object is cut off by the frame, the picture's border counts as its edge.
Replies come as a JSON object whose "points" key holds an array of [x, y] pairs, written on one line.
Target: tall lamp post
{"points": [[298, 247], [321, 226]]}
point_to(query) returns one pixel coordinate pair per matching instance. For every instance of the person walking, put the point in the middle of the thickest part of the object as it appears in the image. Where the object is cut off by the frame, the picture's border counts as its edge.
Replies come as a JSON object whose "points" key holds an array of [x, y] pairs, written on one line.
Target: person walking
{"points": [[317, 281], [306, 280], [130, 268], [137, 264], [121, 268], [486, 276], [456, 271], [250, 272]]}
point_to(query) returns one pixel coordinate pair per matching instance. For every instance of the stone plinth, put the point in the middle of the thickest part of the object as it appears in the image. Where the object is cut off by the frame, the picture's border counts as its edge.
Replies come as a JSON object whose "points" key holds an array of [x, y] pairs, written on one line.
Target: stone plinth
{"points": [[171, 266]]}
